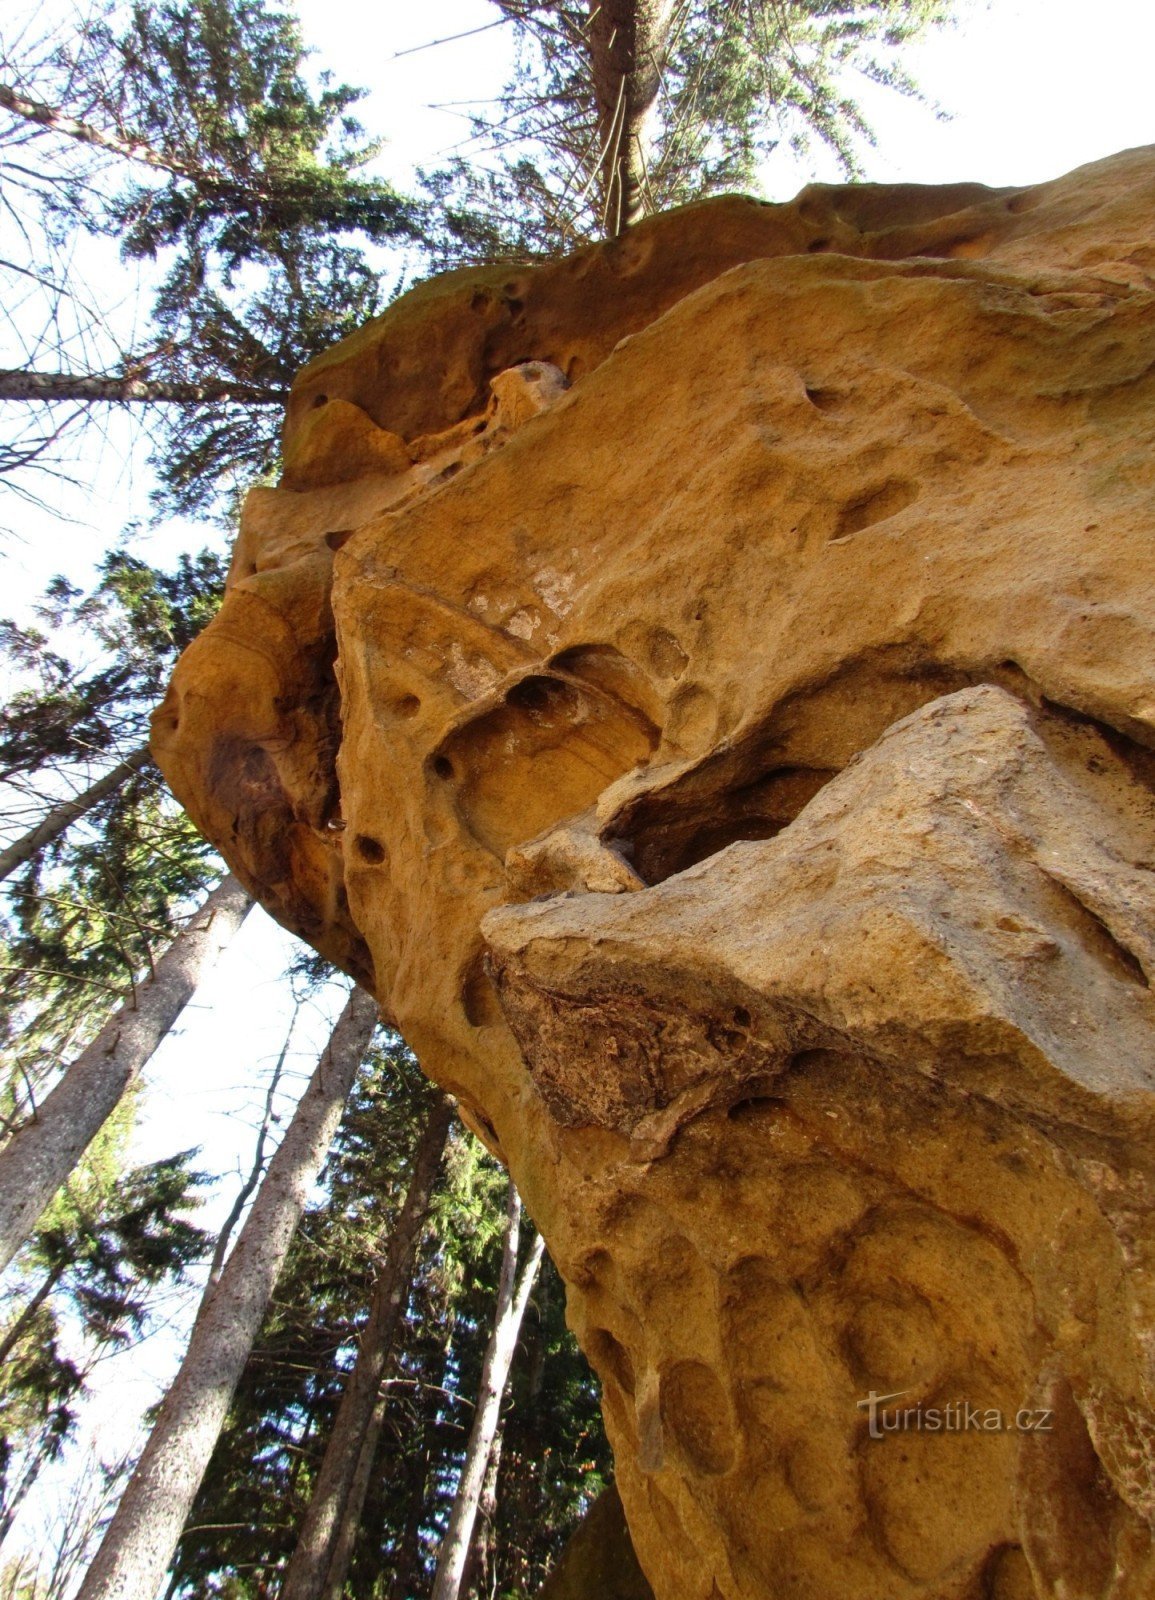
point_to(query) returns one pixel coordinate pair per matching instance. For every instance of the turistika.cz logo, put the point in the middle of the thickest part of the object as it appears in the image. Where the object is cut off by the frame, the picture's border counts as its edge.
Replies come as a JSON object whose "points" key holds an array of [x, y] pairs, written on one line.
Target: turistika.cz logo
{"points": [[955, 1416]]}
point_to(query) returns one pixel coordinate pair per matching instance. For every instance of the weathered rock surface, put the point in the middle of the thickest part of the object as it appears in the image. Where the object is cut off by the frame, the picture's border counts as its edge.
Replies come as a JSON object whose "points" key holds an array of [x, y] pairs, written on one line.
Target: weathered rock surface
{"points": [[598, 1562], [706, 687]]}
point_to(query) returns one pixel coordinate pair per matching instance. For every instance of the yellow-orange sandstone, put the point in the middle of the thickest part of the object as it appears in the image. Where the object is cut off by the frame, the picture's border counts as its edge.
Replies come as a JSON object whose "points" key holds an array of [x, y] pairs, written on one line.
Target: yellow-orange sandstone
{"points": [[706, 687]]}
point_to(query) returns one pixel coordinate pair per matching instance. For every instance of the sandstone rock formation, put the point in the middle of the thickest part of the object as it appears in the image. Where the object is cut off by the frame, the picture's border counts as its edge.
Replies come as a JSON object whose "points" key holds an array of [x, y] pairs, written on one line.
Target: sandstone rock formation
{"points": [[706, 687], [598, 1558]]}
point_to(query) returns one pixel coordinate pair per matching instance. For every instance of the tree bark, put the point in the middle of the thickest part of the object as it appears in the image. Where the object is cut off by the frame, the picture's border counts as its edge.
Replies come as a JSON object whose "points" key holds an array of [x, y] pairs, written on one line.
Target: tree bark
{"points": [[335, 1506], [89, 388], [33, 1467], [627, 44], [350, 1526], [67, 812], [55, 120], [142, 1536], [499, 1353], [478, 1576], [28, 1311], [39, 1156], [241, 1198]]}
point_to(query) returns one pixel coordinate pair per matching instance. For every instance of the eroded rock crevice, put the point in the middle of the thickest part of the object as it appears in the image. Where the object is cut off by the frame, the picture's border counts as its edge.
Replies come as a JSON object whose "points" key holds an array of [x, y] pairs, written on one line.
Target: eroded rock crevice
{"points": [[705, 686]]}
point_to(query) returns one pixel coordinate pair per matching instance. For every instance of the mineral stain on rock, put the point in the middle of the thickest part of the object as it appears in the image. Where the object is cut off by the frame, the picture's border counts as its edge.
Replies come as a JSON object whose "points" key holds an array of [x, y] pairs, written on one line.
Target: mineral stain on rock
{"points": [[705, 687]]}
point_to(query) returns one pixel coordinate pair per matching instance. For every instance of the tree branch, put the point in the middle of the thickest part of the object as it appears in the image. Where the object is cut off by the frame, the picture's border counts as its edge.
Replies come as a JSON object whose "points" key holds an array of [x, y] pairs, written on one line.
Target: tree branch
{"points": [[124, 389], [46, 116]]}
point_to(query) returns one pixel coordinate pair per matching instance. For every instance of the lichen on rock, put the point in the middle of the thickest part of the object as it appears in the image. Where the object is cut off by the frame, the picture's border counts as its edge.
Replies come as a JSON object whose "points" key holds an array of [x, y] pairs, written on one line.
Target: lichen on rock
{"points": [[705, 687]]}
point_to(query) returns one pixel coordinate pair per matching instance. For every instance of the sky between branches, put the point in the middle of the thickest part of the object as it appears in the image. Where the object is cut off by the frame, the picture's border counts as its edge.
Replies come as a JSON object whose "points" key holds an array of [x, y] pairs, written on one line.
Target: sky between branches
{"points": [[1034, 88]]}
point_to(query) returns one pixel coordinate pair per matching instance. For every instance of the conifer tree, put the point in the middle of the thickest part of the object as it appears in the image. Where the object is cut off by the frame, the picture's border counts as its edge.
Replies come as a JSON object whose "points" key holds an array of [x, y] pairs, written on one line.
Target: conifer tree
{"points": [[82, 1288], [254, 1500], [140, 1540], [627, 107], [515, 1285], [328, 1533], [95, 904], [186, 130], [40, 1154]]}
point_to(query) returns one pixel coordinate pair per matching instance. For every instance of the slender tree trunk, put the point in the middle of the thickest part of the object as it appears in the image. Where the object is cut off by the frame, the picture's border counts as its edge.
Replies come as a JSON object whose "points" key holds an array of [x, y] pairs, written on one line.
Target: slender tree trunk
{"points": [[68, 812], [334, 1506], [627, 44], [12, 1337], [39, 1156], [142, 1536], [346, 1539], [511, 1304], [126, 387], [32, 1470], [479, 1574], [241, 1198], [46, 116]]}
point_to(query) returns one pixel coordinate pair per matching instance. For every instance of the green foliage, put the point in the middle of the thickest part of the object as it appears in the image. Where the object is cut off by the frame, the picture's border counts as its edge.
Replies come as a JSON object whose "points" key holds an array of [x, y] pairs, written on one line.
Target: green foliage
{"points": [[93, 910], [82, 1288], [207, 455], [247, 1517], [254, 220], [139, 619], [738, 81], [257, 160], [261, 220], [218, 161], [255, 1491]]}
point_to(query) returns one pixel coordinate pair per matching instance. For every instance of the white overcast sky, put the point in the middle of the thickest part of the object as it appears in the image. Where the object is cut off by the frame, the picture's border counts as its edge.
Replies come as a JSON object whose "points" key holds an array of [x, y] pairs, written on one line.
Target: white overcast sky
{"points": [[1033, 88]]}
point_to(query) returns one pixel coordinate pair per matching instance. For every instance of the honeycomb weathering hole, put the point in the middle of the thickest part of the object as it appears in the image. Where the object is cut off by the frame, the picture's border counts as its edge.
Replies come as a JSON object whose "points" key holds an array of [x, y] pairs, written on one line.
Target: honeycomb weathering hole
{"points": [[695, 1413], [543, 696], [612, 1358], [876, 505], [759, 784], [543, 752], [478, 995], [667, 833]]}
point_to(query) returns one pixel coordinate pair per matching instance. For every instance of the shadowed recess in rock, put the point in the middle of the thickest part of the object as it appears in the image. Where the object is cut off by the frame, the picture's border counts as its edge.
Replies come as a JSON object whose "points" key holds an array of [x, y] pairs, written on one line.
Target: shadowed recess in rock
{"points": [[705, 685]]}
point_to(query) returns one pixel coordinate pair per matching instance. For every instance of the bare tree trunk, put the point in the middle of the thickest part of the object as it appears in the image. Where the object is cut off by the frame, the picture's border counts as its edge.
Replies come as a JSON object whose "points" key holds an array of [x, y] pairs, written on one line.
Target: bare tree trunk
{"points": [[40, 1155], [141, 1538], [126, 387], [334, 1507], [479, 1575], [10, 1340], [34, 1465], [68, 812], [499, 1353], [241, 1198], [50, 117], [627, 43], [346, 1539]]}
